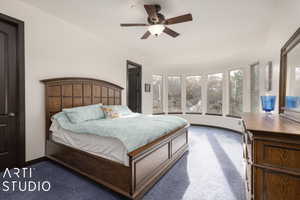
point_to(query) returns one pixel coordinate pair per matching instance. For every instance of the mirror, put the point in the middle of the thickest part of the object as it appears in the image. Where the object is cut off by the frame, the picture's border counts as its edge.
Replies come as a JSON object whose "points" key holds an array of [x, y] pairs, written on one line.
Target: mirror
{"points": [[289, 101], [292, 99]]}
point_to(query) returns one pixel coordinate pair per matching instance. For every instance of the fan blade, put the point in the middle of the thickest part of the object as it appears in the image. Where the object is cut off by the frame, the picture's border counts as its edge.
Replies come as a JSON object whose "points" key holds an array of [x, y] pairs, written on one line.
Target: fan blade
{"points": [[151, 10], [170, 32], [179, 19], [126, 25], [146, 35]]}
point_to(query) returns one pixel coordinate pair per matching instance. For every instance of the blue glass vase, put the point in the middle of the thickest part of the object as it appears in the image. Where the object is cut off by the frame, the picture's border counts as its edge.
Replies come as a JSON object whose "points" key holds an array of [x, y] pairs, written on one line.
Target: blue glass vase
{"points": [[292, 101], [268, 103]]}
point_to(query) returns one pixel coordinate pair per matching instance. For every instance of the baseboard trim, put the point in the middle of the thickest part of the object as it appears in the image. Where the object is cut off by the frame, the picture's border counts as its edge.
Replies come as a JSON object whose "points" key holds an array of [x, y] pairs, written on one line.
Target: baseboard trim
{"points": [[220, 127], [35, 161]]}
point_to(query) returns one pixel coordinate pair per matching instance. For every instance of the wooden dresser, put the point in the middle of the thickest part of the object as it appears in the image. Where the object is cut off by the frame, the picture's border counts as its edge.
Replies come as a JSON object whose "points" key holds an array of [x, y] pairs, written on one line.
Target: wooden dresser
{"points": [[272, 155]]}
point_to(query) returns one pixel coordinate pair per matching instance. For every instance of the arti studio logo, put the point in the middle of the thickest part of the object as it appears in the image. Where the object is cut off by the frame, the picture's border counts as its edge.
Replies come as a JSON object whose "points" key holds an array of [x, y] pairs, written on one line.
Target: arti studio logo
{"points": [[22, 180]]}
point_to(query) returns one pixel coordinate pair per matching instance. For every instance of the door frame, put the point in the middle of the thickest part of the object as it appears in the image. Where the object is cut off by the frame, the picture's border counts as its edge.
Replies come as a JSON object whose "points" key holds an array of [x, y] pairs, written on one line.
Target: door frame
{"points": [[20, 86], [139, 66]]}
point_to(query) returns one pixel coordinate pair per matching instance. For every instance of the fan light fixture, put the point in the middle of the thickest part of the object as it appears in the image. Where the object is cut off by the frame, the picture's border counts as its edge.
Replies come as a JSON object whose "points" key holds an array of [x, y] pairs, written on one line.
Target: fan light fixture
{"points": [[156, 29], [157, 23]]}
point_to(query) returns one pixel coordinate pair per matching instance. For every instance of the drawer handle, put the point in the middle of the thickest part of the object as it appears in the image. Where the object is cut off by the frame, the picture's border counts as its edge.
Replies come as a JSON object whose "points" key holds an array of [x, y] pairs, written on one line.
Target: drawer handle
{"points": [[284, 185], [11, 114], [284, 155]]}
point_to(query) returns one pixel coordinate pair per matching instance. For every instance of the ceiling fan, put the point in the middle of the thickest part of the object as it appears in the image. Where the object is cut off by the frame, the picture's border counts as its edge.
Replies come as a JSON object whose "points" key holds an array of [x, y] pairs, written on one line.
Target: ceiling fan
{"points": [[158, 23]]}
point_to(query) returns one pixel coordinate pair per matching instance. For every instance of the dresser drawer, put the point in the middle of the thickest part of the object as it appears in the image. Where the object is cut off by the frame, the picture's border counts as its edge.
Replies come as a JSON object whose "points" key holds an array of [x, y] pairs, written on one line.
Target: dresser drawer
{"points": [[271, 185], [277, 154]]}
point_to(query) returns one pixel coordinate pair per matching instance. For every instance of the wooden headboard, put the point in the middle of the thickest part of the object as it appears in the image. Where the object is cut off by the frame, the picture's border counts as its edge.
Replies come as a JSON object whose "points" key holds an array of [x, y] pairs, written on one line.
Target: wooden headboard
{"points": [[72, 92]]}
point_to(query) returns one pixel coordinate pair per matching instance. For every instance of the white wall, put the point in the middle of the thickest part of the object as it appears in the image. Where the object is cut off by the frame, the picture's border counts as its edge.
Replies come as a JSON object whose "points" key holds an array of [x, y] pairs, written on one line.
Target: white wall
{"points": [[285, 23], [215, 121], [54, 48]]}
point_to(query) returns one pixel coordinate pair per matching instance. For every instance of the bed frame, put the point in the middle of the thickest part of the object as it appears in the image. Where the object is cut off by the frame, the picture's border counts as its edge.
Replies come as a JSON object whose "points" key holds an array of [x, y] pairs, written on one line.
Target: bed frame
{"points": [[146, 164]]}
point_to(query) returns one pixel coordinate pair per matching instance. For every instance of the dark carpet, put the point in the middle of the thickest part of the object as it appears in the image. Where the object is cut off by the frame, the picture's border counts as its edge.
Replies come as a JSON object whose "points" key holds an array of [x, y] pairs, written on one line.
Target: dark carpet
{"points": [[211, 170]]}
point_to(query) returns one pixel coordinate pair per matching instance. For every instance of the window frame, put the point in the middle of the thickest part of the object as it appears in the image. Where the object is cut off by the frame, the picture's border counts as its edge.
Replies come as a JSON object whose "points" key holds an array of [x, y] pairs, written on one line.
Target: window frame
{"points": [[223, 93], [163, 94], [246, 70], [181, 92], [259, 87], [185, 93], [268, 73], [228, 95]]}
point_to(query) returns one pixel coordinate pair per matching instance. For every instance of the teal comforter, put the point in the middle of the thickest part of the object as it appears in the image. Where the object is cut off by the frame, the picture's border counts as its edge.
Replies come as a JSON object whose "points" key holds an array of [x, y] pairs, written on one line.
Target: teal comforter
{"points": [[134, 131]]}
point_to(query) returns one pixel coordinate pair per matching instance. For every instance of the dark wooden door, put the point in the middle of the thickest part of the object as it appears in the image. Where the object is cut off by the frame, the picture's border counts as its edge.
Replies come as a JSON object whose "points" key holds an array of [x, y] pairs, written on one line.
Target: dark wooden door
{"points": [[8, 95], [134, 86]]}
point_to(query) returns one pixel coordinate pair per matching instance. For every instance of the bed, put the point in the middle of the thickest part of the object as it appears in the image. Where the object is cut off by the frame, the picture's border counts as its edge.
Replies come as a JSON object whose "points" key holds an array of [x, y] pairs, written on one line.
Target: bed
{"points": [[128, 173]]}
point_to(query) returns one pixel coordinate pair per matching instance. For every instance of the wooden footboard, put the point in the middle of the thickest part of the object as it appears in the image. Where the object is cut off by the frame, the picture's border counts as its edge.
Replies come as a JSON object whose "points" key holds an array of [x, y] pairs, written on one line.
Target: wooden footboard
{"points": [[150, 162], [147, 164]]}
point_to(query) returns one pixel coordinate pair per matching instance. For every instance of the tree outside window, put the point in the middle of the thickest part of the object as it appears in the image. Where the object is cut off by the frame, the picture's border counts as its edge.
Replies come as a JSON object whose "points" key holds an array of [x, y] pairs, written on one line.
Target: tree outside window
{"points": [[193, 94], [214, 93], [236, 92], [174, 94], [157, 85]]}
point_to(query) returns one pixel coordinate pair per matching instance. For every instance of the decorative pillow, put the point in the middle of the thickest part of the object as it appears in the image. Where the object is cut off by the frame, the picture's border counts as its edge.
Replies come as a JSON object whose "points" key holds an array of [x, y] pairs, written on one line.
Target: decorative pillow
{"points": [[116, 110], [84, 113], [62, 121], [110, 113], [124, 110]]}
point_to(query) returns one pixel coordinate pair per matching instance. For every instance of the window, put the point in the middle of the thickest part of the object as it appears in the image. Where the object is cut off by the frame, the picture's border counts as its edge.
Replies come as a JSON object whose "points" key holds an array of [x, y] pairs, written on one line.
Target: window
{"points": [[268, 77], [193, 94], [254, 78], [157, 82], [236, 92], [174, 94], [214, 93], [297, 82]]}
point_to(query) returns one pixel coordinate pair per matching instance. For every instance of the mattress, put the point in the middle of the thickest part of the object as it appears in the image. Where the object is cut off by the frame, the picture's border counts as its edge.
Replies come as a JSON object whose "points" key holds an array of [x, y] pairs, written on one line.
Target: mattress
{"points": [[106, 147], [134, 132]]}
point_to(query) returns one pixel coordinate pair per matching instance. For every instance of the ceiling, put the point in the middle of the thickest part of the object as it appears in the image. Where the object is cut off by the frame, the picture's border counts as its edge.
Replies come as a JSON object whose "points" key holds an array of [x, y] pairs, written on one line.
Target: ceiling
{"points": [[231, 30]]}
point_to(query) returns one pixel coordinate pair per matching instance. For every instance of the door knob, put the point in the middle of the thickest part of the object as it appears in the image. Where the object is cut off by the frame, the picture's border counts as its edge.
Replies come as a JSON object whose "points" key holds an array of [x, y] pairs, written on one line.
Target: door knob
{"points": [[11, 114]]}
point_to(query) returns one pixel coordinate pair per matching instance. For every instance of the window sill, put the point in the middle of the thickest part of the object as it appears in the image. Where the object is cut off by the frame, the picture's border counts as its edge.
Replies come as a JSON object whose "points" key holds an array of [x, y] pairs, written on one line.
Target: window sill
{"points": [[234, 116], [193, 113], [162, 113], [214, 114], [174, 113]]}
